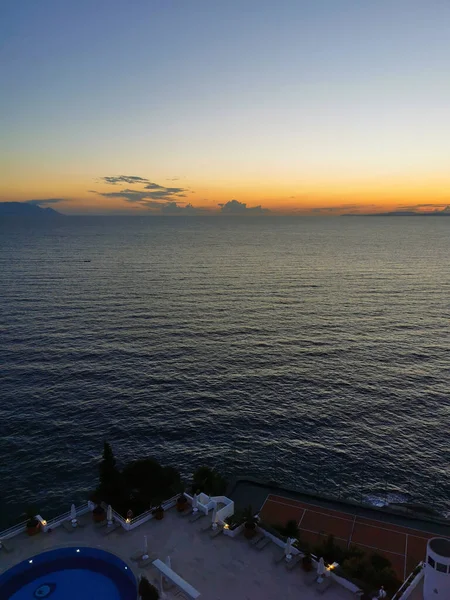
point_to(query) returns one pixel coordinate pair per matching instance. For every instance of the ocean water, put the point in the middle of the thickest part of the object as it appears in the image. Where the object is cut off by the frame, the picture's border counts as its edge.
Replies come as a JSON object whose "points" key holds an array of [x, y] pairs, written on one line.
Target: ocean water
{"points": [[314, 352]]}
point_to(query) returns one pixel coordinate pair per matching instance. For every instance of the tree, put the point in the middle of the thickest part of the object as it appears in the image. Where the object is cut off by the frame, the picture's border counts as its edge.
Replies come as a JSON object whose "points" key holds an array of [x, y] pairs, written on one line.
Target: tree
{"points": [[147, 482], [291, 529], [110, 488], [209, 481]]}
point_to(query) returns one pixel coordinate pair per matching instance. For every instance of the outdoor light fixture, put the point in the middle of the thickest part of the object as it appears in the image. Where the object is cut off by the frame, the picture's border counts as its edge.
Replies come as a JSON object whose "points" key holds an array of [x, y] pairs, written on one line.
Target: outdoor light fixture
{"points": [[44, 522], [226, 526], [127, 521], [30, 561], [78, 549]]}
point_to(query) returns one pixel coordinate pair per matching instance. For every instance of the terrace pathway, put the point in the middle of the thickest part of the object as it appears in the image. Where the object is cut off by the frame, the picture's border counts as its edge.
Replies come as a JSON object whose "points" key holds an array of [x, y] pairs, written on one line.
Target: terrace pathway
{"points": [[222, 568]]}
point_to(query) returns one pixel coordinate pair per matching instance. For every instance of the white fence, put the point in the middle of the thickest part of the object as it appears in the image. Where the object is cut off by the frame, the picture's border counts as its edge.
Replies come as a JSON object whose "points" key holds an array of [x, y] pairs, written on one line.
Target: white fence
{"points": [[12, 531], [144, 517], [410, 584], [127, 524], [56, 522]]}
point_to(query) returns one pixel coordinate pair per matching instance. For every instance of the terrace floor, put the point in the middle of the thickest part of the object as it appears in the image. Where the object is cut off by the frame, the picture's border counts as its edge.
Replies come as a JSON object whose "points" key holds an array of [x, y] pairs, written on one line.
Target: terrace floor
{"points": [[220, 569]]}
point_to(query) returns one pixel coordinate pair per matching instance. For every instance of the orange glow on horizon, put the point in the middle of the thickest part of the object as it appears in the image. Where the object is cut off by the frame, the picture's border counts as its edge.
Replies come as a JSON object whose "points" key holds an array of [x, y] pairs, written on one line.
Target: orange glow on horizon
{"points": [[83, 195]]}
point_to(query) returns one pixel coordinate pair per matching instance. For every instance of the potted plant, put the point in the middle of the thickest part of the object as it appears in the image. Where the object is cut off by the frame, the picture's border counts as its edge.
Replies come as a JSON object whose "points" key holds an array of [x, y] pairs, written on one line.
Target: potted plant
{"points": [[99, 514], [158, 512], [147, 591], [182, 503], [33, 526], [307, 562]]}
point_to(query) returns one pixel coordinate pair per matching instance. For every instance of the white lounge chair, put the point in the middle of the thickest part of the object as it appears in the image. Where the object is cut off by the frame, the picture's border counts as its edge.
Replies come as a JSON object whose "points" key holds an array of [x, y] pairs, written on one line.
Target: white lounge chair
{"points": [[110, 528], [215, 532], [263, 543], [279, 557], [255, 540], [323, 586], [6, 546], [195, 517], [69, 527], [294, 561], [145, 562]]}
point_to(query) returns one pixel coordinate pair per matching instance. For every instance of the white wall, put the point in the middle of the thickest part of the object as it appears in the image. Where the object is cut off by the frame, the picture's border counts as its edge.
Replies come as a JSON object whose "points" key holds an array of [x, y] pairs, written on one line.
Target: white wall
{"points": [[436, 585]]}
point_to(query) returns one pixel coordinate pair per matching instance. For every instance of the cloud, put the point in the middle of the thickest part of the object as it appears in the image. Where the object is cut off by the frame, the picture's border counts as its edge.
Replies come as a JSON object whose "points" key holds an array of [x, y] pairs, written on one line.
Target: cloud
{"points": [[438, 207], [173, 178], [151, 191], [234, 207], [155, 198], [124, 179], [160, 192], [173, 208], [337, 210], [38, 202], [128, 195]]}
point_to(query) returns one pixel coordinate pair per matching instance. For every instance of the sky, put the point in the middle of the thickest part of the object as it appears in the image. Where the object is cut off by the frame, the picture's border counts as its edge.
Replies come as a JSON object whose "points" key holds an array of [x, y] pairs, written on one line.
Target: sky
{"points": [[242, 106]]}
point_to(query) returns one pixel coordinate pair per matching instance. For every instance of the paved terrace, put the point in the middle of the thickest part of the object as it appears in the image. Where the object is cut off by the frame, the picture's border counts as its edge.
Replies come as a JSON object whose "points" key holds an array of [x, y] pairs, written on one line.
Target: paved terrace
{"points": [[222, 568]]}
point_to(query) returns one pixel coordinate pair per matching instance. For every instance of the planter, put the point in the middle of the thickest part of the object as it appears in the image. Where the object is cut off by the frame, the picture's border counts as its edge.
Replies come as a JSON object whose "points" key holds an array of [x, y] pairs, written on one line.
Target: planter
{"points": [[98, 514], [307, 563], [33, 527], [159, 513], [182, 504], [249, 530]]}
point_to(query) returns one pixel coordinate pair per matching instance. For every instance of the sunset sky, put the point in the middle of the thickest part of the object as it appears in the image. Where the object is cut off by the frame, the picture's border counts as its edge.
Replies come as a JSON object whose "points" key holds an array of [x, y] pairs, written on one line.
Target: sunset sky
{"points": [[181, 106]]}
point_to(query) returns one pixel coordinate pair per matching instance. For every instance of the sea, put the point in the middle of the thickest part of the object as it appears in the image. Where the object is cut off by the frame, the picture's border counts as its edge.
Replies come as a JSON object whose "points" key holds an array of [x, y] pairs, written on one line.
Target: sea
{"points": [[312, 352]]}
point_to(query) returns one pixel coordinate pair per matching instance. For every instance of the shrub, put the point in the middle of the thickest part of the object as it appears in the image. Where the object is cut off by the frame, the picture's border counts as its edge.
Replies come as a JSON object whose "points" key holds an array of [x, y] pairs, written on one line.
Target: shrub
{"points": [[291, 529], [141, 483], [209, 481], [235, 519], [147, 591], [147, 483], [249, 516], [372, 571]]}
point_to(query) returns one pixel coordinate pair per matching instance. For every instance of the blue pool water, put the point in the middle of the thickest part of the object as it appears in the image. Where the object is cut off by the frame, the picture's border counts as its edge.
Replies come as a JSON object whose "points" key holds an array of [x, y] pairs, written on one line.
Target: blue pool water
{"points": [[69, 574]]}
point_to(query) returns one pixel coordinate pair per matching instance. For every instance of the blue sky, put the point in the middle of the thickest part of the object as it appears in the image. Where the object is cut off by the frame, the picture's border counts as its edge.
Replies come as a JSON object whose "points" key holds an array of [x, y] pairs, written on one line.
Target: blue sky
{"points": [[264, 101]]}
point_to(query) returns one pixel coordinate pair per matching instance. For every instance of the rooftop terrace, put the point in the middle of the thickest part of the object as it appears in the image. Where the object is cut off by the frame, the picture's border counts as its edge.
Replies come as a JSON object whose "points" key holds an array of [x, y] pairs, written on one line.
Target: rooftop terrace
{"points": [[219, 568]]}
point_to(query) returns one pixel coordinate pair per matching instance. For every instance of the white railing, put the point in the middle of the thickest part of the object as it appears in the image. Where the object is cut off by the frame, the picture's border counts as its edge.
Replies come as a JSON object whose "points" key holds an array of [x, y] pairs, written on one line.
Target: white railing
{"points": [[85, 508], [410, 583], [12, 531], [55, 522], [59, 520], [129, 524]]}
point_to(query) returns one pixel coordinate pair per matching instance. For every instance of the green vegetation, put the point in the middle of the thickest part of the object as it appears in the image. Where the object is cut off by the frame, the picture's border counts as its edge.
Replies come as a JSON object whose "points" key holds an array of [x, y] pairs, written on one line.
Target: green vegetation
{"points": [[235, 519], [145, 483], [371, 572], [140, 485], [209, 481], [368, 571], [290, 530]]}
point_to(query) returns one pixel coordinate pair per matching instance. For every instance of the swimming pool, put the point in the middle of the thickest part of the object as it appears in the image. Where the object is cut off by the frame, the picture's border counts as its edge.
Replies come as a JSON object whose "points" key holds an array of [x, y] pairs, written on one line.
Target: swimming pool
{"points": [[69, 574]]}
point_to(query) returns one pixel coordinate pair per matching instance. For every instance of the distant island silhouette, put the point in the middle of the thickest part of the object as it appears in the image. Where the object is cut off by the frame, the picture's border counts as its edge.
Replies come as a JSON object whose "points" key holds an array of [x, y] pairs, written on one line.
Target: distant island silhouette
{"points": [[25, 209], [445, 212]]}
